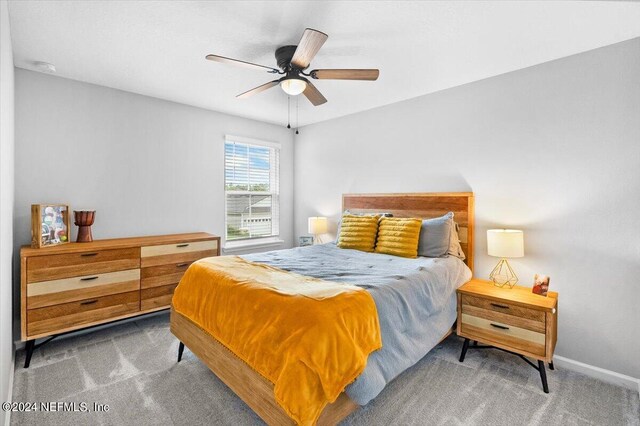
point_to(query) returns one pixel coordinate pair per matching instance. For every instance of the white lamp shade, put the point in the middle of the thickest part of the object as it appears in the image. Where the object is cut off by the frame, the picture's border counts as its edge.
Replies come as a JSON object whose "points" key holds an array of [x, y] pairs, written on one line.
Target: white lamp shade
{"points": [[505, 243], [317, 225]]}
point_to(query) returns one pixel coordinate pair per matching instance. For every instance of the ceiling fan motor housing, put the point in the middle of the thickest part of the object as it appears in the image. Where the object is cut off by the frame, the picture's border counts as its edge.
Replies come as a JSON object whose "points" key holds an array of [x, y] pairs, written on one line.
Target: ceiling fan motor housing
{"points": [[284, 55]]}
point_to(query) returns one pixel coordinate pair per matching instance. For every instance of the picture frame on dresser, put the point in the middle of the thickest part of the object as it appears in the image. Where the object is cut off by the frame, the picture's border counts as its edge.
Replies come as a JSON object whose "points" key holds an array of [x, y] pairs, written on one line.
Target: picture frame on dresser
{"points": [[50, 225], [81, 285]]}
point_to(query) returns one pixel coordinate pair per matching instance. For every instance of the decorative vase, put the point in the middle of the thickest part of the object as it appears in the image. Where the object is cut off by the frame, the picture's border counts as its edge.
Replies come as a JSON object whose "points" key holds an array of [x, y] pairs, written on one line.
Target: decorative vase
{"points": [[83, 220]]}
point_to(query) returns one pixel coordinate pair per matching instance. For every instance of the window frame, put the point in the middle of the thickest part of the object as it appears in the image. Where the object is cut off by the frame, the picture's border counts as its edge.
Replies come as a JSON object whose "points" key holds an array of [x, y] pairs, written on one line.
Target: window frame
{"points": [[274, 238]]}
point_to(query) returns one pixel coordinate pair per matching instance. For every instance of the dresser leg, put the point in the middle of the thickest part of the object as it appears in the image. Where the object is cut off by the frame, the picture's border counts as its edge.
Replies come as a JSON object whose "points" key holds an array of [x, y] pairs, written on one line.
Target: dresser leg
{"points": [[465, 346], [30, 346], [551, 366], [180, 351], [543, 376]]}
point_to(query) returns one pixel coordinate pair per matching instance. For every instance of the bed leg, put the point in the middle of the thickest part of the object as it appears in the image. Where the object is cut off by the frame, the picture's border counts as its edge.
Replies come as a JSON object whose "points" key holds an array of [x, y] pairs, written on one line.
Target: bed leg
{"points": [[465, 346], [180, 351]]}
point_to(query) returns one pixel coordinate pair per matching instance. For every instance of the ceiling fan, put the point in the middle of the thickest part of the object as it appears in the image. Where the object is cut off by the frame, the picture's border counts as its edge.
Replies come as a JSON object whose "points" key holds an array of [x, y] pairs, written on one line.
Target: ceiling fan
{"points": [[292, 61]]}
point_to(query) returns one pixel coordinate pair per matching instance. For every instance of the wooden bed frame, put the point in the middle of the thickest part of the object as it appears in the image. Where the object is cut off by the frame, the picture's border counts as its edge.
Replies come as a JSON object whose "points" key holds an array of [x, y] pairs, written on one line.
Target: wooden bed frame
{"points": [[255, 390]]}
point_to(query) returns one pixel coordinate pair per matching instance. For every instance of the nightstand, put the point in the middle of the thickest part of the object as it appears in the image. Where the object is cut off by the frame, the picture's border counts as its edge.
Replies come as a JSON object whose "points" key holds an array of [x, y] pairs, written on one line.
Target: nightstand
{"points": [[514, 320]]}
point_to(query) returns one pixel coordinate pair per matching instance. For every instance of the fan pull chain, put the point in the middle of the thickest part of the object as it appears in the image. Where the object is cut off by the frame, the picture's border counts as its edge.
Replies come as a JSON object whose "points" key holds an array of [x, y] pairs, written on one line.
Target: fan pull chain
{"points": [[297, 133], [288, 112]]}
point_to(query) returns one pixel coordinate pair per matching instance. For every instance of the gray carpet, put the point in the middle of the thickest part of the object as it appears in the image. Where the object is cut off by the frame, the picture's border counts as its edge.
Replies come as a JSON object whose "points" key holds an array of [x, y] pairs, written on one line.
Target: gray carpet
{"points": [[132, 368]]}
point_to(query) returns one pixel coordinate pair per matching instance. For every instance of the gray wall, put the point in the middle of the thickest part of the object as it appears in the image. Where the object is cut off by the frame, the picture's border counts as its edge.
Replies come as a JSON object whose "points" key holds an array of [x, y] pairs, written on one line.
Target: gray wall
{"points": [[552, 149], [146, 165], [6, 200]]}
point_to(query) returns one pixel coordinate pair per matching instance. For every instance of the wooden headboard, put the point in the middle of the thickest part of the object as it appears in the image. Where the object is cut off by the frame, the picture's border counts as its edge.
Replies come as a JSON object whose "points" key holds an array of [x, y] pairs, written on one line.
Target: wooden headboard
{"points": [[421, 205]]}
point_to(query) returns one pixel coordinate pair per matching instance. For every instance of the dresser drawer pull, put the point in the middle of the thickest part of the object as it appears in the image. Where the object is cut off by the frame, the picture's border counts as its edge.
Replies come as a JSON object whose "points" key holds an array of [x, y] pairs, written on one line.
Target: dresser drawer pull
{"points": [[501, 327], [181, 265], [88, 254], [182, 245], [499, 306], [89, 302], [89, 278]]}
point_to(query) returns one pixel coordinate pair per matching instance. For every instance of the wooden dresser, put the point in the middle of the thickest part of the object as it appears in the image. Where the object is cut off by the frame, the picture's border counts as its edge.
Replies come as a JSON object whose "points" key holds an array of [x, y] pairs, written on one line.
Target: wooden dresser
{"points": [[78, 285]]}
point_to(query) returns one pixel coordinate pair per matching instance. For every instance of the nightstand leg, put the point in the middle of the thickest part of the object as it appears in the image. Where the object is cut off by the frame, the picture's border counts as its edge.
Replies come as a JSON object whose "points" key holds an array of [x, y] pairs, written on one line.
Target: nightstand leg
{"points": [[551, 366], [543, 376], [180, 351], [465, 346], [475, 343]]}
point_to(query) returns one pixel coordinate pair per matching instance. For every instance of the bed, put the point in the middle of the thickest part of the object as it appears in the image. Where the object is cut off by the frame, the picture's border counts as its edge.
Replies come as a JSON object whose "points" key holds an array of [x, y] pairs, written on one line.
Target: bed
{"points": [[415, 312]]}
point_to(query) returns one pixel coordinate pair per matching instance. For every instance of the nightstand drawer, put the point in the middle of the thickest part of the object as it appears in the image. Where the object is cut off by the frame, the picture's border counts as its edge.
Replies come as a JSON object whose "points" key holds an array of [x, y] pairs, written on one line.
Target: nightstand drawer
{"points": [[504, 308], [508, 335], [503, 318]]}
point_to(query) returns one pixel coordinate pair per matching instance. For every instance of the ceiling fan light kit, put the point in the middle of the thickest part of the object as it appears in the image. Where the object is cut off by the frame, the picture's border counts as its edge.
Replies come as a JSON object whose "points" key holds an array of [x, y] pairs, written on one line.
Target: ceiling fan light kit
{"points": [[293, 85], [292, 61]]}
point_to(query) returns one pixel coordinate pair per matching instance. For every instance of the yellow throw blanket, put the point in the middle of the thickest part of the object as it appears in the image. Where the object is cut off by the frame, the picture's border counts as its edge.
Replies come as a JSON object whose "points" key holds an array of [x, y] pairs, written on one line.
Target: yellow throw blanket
{"points": [[309, 337]]}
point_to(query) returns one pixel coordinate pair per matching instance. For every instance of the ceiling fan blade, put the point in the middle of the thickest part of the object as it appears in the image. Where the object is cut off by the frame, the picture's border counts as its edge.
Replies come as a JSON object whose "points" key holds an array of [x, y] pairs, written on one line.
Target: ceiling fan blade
{"points": [[224, 60], [346, 74], [258, 89], [311, 41], [314, 95]]}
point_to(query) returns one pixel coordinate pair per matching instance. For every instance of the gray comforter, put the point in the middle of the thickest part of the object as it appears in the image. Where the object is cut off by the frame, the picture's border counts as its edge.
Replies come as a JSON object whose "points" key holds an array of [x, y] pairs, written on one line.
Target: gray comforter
{"points": [[415, 299]]}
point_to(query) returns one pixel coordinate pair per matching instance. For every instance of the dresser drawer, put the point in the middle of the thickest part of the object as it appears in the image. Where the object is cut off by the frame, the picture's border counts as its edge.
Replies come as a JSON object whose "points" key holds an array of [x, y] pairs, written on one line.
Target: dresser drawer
{"points": [[73, 314], [51, 267], [489, 331], [47, 293], [155, 276], [503, 308], [177, 253], [157, 297]]}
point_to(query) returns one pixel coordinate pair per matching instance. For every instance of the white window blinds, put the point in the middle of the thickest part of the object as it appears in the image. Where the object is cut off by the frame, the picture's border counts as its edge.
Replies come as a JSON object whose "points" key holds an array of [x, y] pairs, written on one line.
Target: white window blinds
{"points": [[251, 181]]}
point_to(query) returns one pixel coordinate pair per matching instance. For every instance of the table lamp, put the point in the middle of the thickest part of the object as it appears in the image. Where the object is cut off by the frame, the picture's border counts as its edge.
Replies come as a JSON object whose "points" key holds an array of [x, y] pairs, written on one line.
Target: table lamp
{"points": [[504, 243], [317, 226]]}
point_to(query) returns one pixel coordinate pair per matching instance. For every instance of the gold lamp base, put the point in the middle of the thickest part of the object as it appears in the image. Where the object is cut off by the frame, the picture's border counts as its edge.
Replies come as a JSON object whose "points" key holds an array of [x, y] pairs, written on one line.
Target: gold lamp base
{"points": [[502, 275]]}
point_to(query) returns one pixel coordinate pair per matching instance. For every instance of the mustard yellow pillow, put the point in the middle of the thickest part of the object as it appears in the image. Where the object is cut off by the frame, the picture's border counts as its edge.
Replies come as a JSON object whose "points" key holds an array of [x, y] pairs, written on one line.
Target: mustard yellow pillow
{"points": [[358, 232], [398, 236]]}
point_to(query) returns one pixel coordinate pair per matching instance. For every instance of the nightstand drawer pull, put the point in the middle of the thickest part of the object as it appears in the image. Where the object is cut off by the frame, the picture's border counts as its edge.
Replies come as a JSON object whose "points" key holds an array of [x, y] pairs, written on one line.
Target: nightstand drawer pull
{"points": [[89, 302], [89, 278], [501, 327], [88, 254], [183, 245], [181, 265], [495, 305]]}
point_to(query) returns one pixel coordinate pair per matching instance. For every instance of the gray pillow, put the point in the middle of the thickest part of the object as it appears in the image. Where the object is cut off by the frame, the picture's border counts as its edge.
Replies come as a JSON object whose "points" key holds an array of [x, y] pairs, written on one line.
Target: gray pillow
{"points": [[439, 237]]}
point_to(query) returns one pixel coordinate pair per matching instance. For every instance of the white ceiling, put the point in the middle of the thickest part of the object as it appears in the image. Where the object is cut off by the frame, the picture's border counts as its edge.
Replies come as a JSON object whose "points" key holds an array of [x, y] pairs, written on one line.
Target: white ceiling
{"points": [[157, 48]]}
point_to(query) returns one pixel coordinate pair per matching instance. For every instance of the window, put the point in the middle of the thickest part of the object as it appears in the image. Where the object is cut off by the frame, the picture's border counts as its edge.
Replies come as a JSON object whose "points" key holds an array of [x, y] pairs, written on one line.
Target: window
{"points": [[252, 187]]}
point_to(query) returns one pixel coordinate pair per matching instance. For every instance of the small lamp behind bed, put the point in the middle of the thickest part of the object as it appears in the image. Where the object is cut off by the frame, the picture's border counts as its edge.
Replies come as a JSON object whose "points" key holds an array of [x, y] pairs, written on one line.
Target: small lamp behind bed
{"points": [[317, 226], [504, 243]]}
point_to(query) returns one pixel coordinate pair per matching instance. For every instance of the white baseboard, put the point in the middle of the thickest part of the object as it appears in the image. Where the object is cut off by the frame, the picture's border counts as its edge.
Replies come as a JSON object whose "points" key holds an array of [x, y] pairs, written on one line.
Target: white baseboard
{"points": [[598, 373], [7, 414]]}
